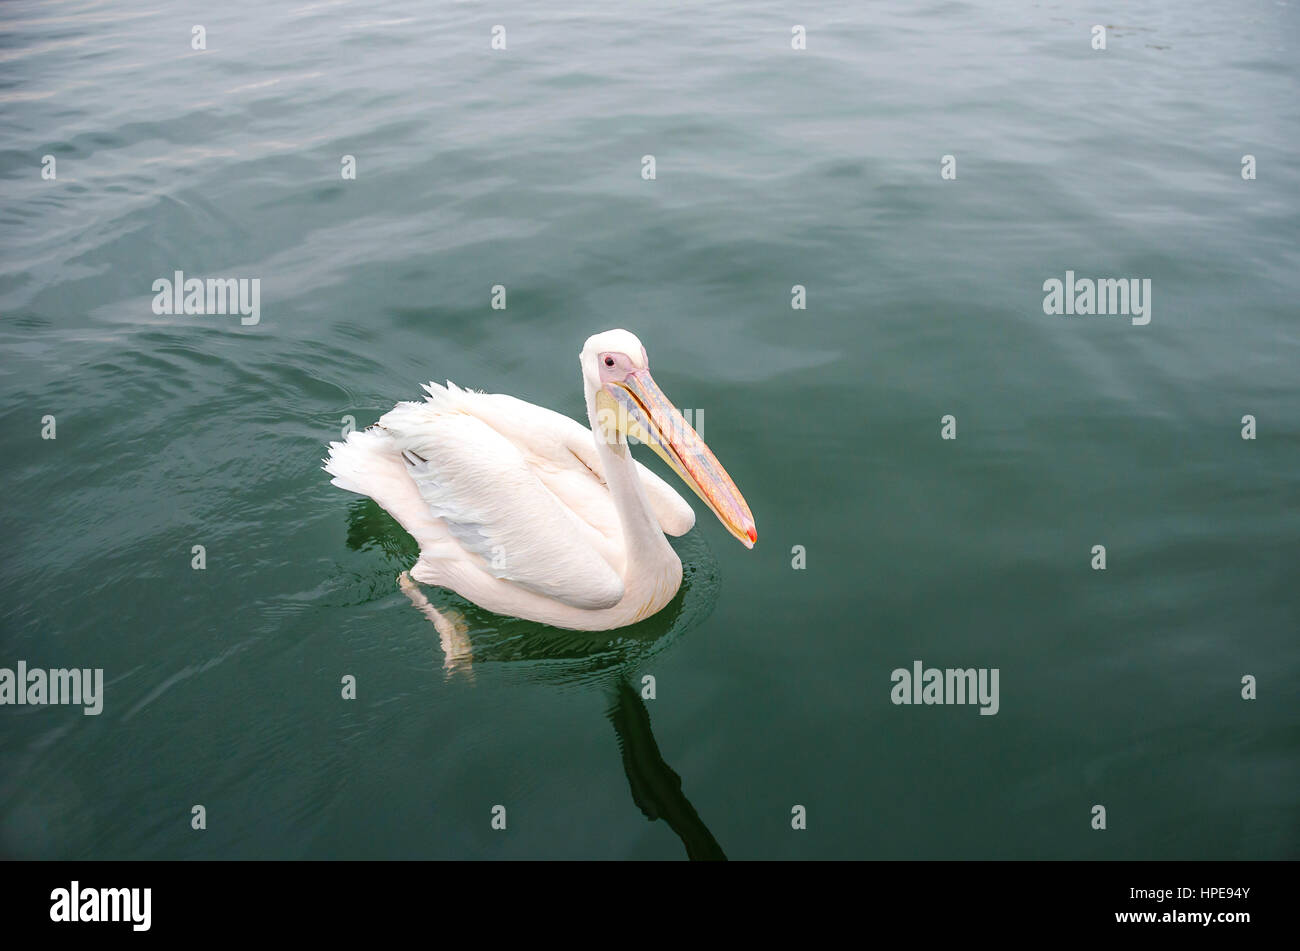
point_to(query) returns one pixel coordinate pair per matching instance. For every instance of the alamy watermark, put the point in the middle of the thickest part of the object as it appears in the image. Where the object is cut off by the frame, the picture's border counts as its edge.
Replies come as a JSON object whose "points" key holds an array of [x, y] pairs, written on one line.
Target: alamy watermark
{"points": [[214, 296], [38, 687], [954, 685], [1104, 297], [75, 904]]}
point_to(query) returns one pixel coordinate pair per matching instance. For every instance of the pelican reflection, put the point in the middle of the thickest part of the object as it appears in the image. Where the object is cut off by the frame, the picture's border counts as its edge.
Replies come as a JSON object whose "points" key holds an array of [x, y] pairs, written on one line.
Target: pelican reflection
{"points": [[470, 639]]}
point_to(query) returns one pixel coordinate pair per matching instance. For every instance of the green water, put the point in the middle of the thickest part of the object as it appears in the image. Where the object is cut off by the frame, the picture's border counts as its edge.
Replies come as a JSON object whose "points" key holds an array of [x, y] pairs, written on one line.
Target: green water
{"points": [[774, 167]]}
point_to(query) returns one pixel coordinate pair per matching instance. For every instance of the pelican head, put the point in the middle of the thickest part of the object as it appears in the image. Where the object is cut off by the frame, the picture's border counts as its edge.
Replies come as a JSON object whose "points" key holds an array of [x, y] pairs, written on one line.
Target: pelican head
{"points": [[624, 400]]}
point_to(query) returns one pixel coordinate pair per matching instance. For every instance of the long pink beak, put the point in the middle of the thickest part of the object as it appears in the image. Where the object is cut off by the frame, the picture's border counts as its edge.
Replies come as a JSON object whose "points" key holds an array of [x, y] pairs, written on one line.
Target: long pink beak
{"points": [[654, 420]]}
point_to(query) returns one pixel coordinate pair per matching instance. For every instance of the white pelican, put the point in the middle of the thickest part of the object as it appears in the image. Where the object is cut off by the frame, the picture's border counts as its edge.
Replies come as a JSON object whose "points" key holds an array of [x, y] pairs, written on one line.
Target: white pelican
{"points": [[528, 513]]}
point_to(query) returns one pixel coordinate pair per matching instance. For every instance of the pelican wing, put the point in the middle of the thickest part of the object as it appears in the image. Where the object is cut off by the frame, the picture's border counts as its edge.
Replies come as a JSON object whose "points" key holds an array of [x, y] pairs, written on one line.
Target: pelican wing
{"points": [[484, 490], [564, 457]]}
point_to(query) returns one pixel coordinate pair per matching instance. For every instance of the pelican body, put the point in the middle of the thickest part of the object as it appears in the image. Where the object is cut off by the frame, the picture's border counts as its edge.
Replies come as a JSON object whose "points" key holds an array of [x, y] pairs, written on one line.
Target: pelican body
{"points": [[530, 514]]}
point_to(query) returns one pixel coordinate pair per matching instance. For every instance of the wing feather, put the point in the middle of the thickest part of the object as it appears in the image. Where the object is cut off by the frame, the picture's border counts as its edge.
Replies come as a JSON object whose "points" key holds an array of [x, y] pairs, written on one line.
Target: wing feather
{"points": [[545, 435], [483, 489]]}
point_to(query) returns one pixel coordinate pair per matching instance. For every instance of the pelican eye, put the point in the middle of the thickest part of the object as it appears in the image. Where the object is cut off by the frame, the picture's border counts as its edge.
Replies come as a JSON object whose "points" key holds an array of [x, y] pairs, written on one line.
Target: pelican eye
{"points": [[609, 361]]}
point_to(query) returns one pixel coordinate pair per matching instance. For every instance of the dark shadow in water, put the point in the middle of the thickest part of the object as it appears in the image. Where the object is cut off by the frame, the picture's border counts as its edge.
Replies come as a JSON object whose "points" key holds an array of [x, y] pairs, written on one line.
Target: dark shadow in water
{"points": [[656, 789], [472, 639]]}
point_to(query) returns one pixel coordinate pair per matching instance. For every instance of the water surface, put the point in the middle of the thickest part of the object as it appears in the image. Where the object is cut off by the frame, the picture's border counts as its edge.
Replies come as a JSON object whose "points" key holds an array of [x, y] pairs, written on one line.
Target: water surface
{"points": [[774, 167]]}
